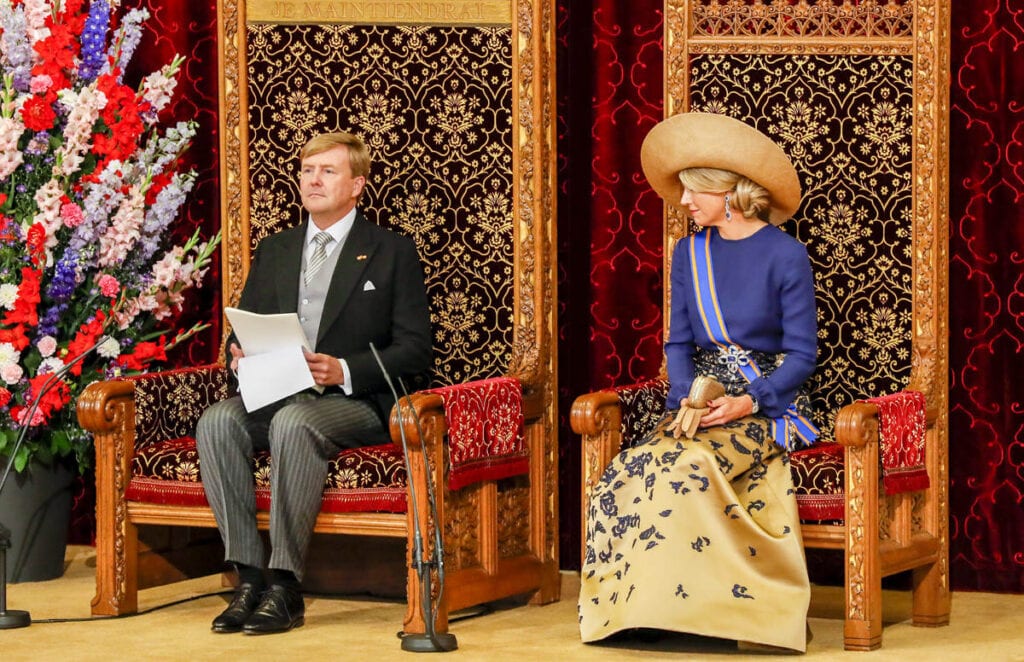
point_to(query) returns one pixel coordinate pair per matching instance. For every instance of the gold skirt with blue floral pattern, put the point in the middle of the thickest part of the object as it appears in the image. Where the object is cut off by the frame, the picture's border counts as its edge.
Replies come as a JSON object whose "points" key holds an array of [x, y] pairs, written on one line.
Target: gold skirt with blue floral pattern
{"points": [[698, 536]]}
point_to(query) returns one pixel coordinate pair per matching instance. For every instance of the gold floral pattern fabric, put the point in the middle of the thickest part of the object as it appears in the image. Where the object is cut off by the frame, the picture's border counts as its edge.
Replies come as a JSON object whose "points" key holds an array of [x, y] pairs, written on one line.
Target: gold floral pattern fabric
{"points": [[371, 478], [168, 404], [846, 123], [434, 106]]}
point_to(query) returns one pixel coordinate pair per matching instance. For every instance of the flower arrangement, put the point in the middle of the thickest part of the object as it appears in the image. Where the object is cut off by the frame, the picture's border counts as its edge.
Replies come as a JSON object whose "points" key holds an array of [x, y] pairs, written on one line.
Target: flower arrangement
{"points": [[88, 188]]}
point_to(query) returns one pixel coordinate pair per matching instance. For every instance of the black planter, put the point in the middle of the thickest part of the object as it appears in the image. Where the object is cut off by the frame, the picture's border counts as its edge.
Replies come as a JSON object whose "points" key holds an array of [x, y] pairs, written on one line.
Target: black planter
{"points": [[35, 506]]}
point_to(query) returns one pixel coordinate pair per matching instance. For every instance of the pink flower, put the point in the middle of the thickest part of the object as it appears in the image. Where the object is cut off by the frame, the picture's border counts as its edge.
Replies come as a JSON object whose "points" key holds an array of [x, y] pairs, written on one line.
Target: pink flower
{"points": [[40, 84], [38, 418], [47, 345], [11, 373], [71, 214], [109, 286]]}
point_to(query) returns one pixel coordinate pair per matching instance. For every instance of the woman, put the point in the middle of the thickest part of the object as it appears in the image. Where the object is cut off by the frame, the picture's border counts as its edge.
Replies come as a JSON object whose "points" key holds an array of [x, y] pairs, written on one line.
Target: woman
{"points": [[701, 535]]}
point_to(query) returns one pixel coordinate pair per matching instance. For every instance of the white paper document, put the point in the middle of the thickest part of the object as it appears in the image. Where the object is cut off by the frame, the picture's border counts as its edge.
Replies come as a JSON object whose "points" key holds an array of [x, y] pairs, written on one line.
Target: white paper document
{"points": [[274, 366]]}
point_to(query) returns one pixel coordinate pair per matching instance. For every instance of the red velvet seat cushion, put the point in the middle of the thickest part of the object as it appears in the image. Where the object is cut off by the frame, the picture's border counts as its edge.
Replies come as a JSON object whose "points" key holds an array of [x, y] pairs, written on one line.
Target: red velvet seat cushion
{"points": [[818, 478], [368, 479]]}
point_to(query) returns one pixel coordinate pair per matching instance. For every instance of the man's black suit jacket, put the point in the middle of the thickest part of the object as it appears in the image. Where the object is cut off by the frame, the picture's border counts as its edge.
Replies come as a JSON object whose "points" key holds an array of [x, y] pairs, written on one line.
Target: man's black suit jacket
{"points": [[377, 295]]}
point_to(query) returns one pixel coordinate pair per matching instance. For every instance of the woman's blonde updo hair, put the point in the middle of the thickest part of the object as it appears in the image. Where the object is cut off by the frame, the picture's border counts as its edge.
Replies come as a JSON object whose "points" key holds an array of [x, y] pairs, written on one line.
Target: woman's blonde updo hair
{"points": [[746, 195]]}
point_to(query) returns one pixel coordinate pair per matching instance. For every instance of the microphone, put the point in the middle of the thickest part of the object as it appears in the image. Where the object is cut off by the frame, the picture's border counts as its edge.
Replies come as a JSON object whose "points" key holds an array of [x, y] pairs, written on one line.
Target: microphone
{"points": [[16, 618], [431, 641]]}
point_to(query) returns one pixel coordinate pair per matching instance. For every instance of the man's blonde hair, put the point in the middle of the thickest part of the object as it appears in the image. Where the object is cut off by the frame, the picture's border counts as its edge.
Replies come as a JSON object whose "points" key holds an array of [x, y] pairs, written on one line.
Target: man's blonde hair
{"points": [[358, 155], [752, 199]]}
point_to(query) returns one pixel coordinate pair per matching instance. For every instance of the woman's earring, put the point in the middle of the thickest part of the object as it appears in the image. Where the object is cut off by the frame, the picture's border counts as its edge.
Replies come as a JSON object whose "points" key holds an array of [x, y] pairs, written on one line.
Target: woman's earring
{"points": [[728, 211]]}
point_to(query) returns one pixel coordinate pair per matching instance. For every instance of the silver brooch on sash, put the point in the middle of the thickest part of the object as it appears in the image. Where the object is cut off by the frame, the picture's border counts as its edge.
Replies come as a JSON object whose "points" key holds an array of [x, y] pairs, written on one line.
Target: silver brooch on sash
{"points": [[733, 358]]}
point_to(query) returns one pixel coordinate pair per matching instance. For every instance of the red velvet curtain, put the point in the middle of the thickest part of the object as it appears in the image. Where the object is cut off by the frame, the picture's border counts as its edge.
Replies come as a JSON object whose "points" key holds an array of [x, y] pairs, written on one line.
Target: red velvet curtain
{"points": [[987, 296], [609, 221], [189, 29], [609, 228]]}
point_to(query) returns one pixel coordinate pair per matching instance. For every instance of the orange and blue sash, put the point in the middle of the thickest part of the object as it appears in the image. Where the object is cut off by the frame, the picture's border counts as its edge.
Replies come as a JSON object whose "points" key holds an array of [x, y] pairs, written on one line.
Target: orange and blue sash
{"points": [[791, 423]]}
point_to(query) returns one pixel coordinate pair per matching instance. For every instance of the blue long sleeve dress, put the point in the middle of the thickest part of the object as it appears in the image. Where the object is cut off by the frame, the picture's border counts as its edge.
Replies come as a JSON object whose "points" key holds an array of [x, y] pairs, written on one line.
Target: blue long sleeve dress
{"points": [[702, 535]]}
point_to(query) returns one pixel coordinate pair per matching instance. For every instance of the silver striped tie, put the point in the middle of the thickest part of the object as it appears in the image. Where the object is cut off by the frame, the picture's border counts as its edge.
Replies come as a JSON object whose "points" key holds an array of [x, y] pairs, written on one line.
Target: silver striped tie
{"points": [[319, 256]]}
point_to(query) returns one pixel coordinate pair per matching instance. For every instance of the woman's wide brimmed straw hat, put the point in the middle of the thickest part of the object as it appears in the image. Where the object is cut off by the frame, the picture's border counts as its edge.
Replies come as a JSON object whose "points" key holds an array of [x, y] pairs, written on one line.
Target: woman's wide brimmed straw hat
{"points": [[707, 140]]}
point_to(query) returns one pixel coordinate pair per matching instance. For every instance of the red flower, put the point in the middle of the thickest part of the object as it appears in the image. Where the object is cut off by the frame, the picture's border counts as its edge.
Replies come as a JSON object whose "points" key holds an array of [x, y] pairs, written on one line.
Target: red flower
{"points": [[160, 181], [121, 116], [7, 229], [58, 51], [56, 396], [83, 341], [5, 396], [36, 240], [25, 305], [37, 114], [144, 353], [16, 336]]}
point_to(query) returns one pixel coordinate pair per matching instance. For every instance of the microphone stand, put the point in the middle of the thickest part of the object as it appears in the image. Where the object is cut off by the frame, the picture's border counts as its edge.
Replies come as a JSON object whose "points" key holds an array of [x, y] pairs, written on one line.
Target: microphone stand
{"points": [[17, 618], [432, 641]]}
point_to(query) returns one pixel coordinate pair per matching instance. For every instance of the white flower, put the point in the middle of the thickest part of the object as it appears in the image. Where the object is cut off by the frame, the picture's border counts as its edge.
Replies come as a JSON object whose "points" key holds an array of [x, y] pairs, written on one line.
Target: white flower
{"points": [[46, 345], [8, 295], [109, 348], [50, 365], [11, 374], [8, 355]]}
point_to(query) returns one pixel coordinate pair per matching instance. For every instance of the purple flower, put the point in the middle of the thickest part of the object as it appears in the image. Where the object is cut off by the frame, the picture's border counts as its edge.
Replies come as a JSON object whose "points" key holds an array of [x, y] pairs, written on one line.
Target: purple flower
{"points": [[94, 40], [59, 290]]}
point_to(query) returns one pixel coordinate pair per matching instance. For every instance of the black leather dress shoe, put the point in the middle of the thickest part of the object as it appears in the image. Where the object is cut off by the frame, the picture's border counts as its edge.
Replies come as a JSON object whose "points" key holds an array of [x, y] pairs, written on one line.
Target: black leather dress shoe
{"points": [[280, 610], [247, 596]]}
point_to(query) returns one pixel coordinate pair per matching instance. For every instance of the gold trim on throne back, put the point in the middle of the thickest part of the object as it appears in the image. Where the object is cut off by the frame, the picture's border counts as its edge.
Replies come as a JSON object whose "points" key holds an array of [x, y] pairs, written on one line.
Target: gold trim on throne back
{"points": [[530, 27], [383, 12]]}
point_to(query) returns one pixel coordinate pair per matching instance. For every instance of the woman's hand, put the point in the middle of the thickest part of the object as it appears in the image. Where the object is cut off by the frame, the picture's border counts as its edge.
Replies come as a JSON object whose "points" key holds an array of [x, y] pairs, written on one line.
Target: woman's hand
{"points": [[727, 408], [678, 425]]}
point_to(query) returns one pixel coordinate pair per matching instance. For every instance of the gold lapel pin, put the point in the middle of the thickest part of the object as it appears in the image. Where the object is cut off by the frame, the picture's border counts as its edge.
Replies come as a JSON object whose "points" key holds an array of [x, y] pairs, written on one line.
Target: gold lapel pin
{"points": [[360, 257]]}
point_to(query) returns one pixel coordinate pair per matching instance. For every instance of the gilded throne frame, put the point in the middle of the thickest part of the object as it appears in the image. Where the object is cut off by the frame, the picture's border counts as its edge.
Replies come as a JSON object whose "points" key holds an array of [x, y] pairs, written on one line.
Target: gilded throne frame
{"points": [[725, 56], [500, 536]]}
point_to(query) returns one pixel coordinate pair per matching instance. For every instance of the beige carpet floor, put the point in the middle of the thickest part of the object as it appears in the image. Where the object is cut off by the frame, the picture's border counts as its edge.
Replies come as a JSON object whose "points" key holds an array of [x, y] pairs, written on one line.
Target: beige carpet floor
{"points": [[985, 627]]}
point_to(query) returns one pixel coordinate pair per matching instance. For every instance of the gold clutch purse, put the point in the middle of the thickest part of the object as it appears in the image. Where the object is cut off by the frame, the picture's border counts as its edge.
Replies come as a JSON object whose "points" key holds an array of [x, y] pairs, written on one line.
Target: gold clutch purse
{"points": [[703, 390]]}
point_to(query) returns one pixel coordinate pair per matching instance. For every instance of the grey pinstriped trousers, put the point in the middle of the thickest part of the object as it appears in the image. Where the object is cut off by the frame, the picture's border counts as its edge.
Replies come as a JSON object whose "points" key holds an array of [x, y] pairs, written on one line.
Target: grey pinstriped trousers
{"points": [[302, 433]]}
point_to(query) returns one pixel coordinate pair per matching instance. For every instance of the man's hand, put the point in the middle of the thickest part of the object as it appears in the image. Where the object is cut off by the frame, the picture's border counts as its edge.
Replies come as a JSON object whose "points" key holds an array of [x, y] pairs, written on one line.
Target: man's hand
{"points": [[326, 369], [727, 408], [236, 353]]}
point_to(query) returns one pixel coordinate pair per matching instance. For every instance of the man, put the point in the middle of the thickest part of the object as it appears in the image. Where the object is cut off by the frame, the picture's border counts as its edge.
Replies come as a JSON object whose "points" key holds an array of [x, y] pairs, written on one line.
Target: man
{"points": [[351, 283]]}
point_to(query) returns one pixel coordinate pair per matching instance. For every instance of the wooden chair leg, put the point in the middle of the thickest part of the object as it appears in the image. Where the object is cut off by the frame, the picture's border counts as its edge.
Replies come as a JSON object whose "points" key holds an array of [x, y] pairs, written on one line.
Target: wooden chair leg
{"points": [[117, 570], [551, 586], [862, 630], [932, 598]]}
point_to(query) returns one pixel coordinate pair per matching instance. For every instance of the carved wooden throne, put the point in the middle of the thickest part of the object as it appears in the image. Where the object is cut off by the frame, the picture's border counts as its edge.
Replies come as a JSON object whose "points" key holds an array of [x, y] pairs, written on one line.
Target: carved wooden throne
{"points": [[456, 107], [856, 93]]}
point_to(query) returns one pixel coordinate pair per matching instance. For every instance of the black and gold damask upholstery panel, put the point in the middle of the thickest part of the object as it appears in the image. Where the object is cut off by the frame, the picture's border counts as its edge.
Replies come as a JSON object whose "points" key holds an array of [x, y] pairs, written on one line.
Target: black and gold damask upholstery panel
{"points": [[846, 121], [366, 479], [434, 105]]}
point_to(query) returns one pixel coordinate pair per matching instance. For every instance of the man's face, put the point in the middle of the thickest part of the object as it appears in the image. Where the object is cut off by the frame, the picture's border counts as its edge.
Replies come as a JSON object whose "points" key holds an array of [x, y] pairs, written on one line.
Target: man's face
{"points": [[329, 191]]}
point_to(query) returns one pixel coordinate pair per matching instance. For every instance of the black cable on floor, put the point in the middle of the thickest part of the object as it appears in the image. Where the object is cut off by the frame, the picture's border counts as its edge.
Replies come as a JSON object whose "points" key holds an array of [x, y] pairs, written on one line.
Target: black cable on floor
{"points": [[138, 613], [463, 615]]}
